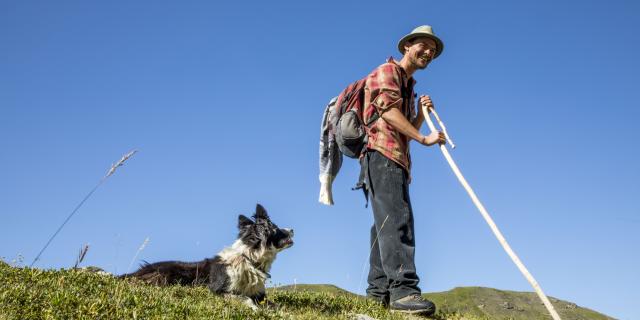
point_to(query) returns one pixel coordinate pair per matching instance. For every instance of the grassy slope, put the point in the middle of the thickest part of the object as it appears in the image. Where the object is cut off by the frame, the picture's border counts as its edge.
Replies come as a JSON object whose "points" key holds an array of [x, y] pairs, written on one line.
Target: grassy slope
{"points": [[481, 303], [68, 294], [501, 304]]}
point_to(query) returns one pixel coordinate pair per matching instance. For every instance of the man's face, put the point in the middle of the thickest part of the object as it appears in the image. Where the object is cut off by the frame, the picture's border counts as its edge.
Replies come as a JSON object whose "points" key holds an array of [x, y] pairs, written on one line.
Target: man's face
{"points": [[420, 52]]}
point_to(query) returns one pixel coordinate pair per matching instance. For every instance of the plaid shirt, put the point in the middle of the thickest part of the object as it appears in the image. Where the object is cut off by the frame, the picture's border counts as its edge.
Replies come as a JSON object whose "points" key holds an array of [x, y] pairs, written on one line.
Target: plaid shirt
{"points": [[383, 91]]}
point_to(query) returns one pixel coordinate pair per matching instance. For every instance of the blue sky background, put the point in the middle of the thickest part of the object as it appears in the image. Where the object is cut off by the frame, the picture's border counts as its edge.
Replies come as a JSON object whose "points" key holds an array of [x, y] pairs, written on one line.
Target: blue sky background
{"points": [[224, 102]]}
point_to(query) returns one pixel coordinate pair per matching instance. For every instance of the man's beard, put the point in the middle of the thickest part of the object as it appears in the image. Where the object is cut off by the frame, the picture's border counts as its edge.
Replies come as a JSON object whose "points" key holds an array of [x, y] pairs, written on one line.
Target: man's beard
{"points": [[419, 66]]}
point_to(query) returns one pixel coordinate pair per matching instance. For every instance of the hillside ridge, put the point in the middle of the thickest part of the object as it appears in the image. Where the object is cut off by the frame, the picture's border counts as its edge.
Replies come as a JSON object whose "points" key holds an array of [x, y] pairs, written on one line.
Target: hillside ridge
{"points": [[27, 293]]}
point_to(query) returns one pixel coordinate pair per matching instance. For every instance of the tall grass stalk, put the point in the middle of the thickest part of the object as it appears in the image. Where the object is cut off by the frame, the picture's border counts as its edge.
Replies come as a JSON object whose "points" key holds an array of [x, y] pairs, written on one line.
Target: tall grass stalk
{"points": [[111, 171], [364, 264], [81, 255], [144, 245]]}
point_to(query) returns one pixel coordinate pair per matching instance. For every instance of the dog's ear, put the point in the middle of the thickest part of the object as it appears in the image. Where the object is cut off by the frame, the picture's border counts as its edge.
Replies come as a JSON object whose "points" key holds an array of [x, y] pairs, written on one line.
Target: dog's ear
{"points": [[261, 213], [244, 222]]}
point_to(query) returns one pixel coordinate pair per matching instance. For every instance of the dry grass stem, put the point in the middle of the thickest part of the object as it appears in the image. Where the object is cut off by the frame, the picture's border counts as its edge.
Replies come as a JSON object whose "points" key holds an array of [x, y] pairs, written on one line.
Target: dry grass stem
{"points": [[120, 162], [364, 265], [142, 246], [111, 171], [81, 255]]}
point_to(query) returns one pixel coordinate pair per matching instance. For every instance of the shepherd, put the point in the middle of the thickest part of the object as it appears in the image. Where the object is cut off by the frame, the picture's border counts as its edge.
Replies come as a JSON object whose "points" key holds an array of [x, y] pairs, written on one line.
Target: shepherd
{"points": [[386, 167]]}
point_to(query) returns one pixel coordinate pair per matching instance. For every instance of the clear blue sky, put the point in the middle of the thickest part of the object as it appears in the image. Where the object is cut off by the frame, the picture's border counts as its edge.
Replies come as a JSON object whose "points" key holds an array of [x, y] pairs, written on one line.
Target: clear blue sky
{"points": [[224, 102]]}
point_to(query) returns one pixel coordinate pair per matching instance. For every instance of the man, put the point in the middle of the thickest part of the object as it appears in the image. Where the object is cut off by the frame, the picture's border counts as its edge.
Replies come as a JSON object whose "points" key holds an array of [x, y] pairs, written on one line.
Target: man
{"points": [[386, 165]]}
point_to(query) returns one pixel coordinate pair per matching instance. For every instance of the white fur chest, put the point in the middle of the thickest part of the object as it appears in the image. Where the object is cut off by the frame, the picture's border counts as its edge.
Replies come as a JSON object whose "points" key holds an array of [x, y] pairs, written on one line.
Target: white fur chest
{"points": [[244, 268]]}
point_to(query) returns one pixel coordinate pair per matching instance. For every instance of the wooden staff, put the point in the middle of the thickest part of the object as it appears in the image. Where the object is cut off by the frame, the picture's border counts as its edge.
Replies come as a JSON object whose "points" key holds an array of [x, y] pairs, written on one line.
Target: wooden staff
{"points": [[488, 218], [444, 129]]}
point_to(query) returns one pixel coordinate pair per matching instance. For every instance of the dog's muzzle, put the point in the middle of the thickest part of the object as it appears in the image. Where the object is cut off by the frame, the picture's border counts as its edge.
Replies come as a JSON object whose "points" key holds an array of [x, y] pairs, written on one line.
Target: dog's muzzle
{"points": [[288, 241]]}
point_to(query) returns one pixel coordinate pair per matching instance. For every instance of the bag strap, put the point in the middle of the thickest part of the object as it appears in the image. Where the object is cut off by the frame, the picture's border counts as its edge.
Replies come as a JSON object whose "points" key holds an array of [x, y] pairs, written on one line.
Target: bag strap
{"points": [[406, 95], [406, 99]]}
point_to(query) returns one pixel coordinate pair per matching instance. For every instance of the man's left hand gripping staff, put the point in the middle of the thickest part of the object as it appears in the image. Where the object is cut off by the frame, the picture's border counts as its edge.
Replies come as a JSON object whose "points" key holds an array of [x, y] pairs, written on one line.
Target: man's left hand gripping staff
{"points": [[436, 136]]}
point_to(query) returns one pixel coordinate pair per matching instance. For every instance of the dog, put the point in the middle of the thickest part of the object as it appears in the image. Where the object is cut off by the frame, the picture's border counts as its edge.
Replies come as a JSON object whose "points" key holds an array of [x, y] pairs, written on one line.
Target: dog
{"points": [[240, 270]]}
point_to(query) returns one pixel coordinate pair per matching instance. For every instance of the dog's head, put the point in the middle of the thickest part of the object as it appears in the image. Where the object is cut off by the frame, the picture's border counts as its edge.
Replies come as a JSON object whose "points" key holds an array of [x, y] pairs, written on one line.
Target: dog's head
{"points": [[263, 233]]}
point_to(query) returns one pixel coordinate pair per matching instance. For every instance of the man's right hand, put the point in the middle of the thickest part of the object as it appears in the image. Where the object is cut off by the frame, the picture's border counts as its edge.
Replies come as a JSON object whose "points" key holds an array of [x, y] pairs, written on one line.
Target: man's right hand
{"points": [[433, 138]]}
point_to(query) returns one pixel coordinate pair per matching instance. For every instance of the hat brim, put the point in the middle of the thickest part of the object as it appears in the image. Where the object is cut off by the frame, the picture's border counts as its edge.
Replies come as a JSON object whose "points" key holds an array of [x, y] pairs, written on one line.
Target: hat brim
{"points": [[411, 36]]}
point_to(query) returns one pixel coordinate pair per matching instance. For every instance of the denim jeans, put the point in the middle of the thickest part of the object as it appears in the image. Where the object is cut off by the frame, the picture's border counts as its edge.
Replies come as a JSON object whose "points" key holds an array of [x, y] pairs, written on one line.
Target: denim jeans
{"points": [[392, 273]]}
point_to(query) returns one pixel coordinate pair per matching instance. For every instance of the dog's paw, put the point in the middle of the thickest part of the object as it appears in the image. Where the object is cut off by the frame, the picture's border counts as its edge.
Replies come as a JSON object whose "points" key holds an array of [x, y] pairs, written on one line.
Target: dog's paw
{"points": [[245, 300], [249, 303], [268, 304]]}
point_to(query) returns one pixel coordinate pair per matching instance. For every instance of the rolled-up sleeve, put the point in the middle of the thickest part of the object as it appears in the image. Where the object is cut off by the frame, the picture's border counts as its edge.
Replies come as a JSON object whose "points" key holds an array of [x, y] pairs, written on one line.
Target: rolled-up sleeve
{"points": [[384, 86]]}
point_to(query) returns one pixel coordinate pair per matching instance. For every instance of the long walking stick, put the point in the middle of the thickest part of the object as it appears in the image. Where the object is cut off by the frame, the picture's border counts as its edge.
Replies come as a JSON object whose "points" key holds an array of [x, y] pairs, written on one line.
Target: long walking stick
{"points": [[486, 216]]}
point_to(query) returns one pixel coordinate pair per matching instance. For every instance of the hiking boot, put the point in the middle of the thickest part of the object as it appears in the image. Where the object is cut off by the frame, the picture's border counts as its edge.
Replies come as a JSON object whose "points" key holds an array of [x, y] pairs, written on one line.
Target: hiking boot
{"points": [[414, 304]]}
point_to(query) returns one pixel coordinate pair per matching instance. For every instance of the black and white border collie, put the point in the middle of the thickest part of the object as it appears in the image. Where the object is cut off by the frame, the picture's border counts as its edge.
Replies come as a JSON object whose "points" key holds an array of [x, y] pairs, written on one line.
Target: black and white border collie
{"points": [[239, 270]]}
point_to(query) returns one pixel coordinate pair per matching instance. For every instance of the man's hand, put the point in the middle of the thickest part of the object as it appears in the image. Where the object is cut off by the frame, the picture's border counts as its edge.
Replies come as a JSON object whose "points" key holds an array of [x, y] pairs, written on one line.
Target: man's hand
{"points": [[433, 138], [425, 101]]}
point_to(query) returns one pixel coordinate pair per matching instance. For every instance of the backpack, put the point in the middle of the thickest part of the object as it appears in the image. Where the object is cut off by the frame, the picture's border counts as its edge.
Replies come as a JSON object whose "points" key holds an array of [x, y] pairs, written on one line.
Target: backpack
{"points": [[343, 132], [350, 131]]}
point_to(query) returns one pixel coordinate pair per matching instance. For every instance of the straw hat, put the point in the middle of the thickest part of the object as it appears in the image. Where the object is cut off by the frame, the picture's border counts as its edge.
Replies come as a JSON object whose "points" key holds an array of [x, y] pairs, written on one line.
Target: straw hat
{"points": [[422, 31]]}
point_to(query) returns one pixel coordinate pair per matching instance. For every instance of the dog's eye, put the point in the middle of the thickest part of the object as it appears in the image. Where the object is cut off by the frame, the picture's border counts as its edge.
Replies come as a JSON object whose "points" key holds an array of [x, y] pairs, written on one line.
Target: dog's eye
{"points": [[265, 229]]}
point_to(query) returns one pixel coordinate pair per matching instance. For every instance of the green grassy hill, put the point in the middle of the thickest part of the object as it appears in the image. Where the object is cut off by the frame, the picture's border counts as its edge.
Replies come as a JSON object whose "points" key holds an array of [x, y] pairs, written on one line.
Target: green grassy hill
{"points": [[483, 303], [27, 293]]}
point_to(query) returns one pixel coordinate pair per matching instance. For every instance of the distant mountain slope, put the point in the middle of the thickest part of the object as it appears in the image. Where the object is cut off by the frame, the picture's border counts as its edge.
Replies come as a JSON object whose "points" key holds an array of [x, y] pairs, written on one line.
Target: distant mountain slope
{"points": [[486, 303]]}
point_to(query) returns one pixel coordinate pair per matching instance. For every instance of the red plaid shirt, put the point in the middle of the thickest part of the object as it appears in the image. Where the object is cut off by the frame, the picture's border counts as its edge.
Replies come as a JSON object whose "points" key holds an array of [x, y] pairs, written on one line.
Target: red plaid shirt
{"points": [[382, 92]]}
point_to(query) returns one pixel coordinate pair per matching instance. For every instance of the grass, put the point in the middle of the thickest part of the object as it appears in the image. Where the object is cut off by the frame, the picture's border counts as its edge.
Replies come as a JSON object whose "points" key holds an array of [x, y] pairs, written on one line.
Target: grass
{"points": [[27, 293]]}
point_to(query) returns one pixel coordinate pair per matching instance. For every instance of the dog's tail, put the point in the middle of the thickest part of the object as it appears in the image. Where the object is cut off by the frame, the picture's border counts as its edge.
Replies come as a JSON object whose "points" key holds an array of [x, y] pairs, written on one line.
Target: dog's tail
{"points": [[160, 273], [144, 266]]}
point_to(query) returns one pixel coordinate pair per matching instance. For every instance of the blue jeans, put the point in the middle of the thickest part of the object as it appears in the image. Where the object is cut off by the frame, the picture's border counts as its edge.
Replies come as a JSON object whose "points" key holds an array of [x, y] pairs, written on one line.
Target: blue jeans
{"points": [[392, 273]]}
